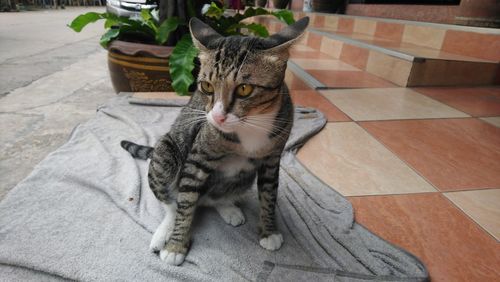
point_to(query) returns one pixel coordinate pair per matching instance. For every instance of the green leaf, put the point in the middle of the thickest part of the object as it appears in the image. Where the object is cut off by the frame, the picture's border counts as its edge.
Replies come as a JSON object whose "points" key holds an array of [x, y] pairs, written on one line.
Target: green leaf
{"points": [[110, 23], [148, 20], [284, 16], [82, 20], [165, 29], [214, 11], [181, 63], [113, 20], [255, 28], [252, 12], [109, 36], [146, 15]]}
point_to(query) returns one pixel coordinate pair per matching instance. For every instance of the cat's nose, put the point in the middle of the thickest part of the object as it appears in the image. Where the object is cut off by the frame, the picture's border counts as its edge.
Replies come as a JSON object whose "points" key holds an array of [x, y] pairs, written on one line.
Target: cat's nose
{"points": [[219, 118]]}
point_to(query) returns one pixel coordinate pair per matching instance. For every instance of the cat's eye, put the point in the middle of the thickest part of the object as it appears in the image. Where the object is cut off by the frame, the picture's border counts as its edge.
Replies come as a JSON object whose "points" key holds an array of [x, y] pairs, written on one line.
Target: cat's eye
{"points": [[207, 88], [243, 90]]}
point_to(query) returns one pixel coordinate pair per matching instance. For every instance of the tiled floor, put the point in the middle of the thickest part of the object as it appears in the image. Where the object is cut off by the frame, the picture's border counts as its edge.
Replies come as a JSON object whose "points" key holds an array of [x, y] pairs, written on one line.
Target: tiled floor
{"points": [[421, 166]]}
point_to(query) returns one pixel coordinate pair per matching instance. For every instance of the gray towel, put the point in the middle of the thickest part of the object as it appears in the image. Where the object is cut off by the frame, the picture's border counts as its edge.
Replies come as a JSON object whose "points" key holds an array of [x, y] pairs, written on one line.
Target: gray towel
{"points": [[86, 213]]}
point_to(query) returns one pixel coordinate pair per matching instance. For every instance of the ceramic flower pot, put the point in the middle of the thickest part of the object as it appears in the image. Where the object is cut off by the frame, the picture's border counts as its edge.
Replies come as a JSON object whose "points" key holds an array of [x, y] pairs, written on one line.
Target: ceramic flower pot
{"points": [[136, 67]]}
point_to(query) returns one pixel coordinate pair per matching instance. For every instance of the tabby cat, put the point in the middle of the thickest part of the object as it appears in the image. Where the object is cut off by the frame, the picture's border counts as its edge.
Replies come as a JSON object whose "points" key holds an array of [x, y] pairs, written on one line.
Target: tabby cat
{"points": [[242, 95]]}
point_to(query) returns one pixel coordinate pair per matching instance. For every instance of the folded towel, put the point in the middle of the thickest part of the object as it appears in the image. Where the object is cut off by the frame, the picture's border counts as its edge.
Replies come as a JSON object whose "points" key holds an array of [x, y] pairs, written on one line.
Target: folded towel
{"points": [[86, 213]]}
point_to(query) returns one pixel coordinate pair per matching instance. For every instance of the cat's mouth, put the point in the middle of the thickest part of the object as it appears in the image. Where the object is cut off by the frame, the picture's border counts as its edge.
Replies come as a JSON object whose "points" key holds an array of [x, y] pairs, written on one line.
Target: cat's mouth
{"points": [[227, 124]]}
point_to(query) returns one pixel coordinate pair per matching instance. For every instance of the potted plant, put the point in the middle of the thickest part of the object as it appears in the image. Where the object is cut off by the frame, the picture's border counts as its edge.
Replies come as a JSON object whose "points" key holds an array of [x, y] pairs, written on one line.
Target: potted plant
{"points": [[155, 52]]}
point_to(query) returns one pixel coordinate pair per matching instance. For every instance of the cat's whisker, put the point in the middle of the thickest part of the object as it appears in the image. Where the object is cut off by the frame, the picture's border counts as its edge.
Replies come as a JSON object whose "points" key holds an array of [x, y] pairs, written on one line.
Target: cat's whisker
{"points": [[195, 110], [191, 121], [267, 130], [275, 129], [270, 119], [267, 118]]}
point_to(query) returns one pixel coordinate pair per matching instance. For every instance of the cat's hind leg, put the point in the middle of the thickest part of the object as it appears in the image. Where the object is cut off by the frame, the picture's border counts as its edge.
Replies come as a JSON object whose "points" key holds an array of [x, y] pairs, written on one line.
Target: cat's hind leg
{"points": [[164, 230], [226, 208], [230, 213]]}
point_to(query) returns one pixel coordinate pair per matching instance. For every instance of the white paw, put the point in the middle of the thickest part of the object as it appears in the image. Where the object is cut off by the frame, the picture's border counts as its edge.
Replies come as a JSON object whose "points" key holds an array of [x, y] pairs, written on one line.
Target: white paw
{"points": [[159, 239], [232, 215], [172, 258], [272, 242], [163, 232]]}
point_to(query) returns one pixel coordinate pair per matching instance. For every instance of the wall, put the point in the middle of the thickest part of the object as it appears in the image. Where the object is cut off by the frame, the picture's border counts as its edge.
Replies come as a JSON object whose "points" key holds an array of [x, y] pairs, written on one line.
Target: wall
{"points": [[469, 12]]}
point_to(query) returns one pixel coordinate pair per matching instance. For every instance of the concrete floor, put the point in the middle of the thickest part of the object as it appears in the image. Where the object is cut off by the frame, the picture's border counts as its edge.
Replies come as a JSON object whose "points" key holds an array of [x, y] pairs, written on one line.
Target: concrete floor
{"points": [[51, 79]]}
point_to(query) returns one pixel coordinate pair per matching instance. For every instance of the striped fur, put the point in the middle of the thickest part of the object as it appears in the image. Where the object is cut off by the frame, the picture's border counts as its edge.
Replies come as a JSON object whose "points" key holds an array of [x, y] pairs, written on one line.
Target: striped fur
{"points": [[137, 151], [200, 162]]}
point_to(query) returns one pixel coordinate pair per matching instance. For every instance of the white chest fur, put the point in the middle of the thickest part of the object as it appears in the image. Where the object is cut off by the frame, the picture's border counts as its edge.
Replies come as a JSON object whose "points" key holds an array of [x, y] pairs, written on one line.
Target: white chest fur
{"points": [[255, 137], [253, 141], [233, 164]]}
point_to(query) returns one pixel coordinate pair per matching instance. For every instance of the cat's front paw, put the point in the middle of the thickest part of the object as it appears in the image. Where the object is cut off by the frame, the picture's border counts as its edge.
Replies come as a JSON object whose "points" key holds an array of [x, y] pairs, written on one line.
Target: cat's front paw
{"points": [[272, 242], [160, 237], [174, 253], [172, 258]]}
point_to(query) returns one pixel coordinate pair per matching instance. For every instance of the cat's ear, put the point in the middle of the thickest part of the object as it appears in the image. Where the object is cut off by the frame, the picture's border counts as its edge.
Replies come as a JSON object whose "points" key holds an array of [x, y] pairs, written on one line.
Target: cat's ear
{"points": [[202, 34], [282, 40]]}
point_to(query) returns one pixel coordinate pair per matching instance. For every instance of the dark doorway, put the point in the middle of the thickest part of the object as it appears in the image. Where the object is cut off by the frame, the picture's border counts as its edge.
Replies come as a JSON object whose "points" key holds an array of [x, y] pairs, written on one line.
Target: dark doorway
{"points": [[411, 2]]}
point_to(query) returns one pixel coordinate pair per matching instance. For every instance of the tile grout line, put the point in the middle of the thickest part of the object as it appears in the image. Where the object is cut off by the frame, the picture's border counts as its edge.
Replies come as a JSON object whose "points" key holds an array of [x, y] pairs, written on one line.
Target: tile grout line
{"points": [[442, 102], [402, 160], [470, 217], [438, 191]]}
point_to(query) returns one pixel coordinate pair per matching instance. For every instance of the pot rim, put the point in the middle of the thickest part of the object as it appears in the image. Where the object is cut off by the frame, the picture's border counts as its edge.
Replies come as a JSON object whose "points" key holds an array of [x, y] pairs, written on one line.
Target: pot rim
{"points": [[134, 49]]}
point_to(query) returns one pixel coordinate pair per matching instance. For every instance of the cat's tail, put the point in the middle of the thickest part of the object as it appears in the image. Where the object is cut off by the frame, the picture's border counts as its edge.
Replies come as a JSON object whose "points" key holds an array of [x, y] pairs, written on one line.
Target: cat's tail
{"points": [[137, 151]]}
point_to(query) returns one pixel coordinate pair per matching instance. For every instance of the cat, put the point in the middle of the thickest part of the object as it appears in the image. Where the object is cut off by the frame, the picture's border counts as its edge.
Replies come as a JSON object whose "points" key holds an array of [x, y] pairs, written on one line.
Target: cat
{"points": [[232, 131]]}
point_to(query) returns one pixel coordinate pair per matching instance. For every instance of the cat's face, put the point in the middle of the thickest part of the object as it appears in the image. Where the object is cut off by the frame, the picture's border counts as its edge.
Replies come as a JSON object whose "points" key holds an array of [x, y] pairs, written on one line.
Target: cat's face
{"points": [[241, 84], [240, 77]]}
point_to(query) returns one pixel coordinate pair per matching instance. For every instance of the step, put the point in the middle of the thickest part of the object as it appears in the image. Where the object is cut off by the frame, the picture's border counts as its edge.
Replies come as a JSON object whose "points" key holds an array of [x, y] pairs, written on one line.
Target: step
{"points": [[481, 43], [401, 62]]}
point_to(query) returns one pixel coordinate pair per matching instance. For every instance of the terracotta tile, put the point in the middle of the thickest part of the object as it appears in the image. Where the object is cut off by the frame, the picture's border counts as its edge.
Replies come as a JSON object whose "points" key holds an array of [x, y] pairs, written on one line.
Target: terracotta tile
{"points": [[294, 82], [331, 47], [472, 44], [345, 25], [303, 39], [352, 162], [430, 53], [424, 36], [482, 206], [453, 154], [387, 104], [332, 22], [311, 98], [392, 31], [451, 246], [297, 5], [298, 54], [354, 55], [301, 47], [318, 21], [299, 14], [479, 101], [323, 64], [364, 26], [492, 120], [389, 44], [391, 68], [349, 79], [452, 73], [355, 35], [314, 40]]}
